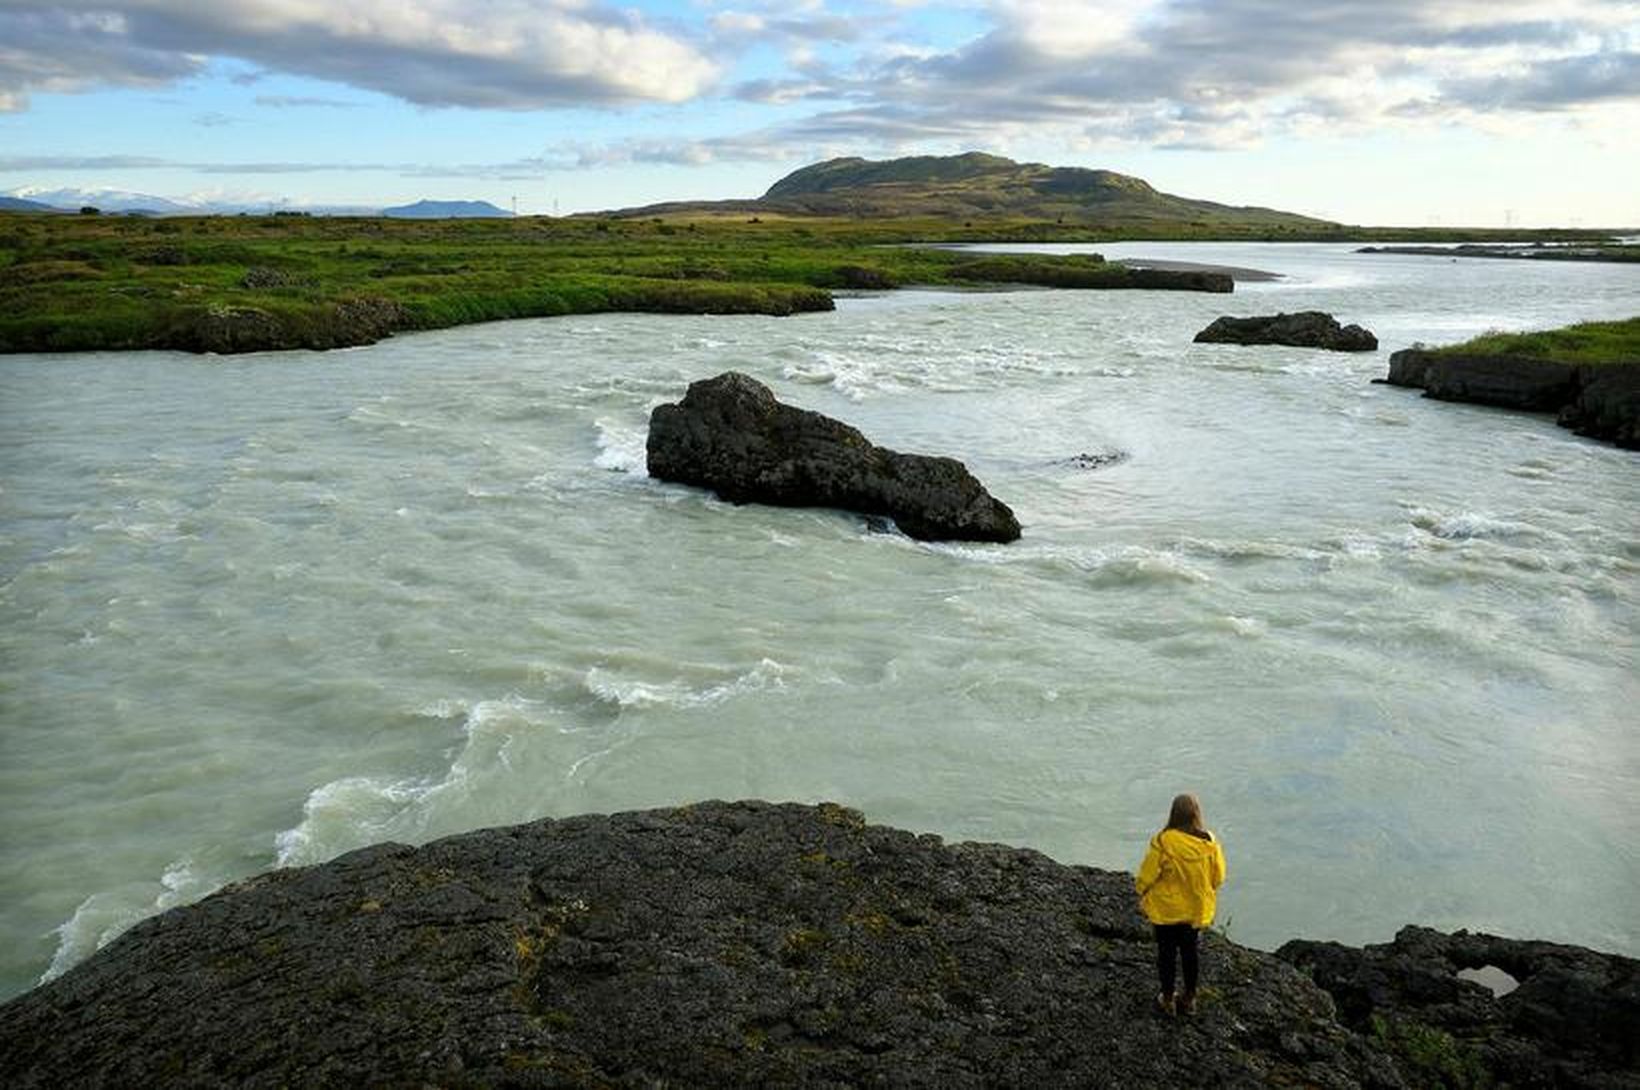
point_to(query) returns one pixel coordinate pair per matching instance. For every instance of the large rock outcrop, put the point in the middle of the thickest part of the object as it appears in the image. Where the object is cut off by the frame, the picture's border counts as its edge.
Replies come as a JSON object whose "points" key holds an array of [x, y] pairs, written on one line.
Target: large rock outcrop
{"points": [[720, 945], [1601, 401], [1573, 1021], [731, 435], [1305, 329]]}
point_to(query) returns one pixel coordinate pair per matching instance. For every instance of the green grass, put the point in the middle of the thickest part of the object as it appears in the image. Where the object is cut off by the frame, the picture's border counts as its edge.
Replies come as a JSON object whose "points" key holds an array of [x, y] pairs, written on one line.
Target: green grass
{"points": [[242, 282], [1584, 343], [236, 283]]}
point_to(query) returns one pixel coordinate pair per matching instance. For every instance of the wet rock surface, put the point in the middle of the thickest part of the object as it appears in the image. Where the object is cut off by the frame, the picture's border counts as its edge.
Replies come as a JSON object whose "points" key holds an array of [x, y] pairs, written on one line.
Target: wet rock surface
{"points": [[1305, 329], [1573, 1021], [1600, 401], [722, 944], [731, 435]]}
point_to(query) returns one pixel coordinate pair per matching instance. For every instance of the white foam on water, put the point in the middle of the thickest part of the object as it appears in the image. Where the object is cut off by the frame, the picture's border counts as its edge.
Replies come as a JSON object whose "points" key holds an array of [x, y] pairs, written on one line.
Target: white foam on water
{"points": [[1464, 525], [622, 448], [358, 810], [632, 693], [100, 919], [1248, 550], [853, 377], [1249, 627], [1127, 565], [103, 917]]}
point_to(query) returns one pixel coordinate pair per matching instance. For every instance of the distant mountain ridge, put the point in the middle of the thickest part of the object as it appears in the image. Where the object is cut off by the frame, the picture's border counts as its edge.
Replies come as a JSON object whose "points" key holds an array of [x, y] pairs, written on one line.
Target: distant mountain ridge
{"points": [[125, 202], [977, 185], [22, 204], [444, 210]]}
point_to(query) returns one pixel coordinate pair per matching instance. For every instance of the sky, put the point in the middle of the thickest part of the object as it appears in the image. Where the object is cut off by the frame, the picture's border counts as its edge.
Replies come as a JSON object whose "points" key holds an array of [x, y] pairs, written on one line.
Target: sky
{"points": [[1388, 112]]}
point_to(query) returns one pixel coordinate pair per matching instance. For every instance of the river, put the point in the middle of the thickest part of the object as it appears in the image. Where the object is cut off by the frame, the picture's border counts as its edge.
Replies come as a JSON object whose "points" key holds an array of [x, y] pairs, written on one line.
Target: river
{"points": [[262, 610]]}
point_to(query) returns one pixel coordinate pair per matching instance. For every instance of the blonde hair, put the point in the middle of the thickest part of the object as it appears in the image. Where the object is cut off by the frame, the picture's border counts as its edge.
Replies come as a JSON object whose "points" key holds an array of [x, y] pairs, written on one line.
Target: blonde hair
{"points": [[1186, 815]]}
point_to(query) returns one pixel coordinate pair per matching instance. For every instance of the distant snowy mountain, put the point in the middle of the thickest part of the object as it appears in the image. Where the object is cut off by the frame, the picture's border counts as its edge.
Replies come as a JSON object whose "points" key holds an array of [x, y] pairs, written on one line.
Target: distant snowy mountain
{"points": [[126, 201], [123, 201], [107, 200], [442, 210]]}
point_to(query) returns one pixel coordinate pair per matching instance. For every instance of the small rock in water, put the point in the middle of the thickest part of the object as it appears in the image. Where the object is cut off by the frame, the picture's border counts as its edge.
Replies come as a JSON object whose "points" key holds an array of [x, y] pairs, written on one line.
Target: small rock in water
{"points": [[1095, 460], [729, 434], [1305, 329]]}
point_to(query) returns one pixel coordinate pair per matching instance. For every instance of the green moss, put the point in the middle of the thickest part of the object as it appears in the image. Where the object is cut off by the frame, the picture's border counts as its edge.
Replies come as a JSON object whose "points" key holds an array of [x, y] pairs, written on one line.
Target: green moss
{"points": [[1584, 343], [71, 283], [1431, 1057], [801, 945], [841, 816]]}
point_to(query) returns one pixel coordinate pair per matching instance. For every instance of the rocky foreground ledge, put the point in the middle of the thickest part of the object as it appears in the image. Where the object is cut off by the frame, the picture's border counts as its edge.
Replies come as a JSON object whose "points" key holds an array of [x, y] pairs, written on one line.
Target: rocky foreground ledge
{"points": [[752, 944]]}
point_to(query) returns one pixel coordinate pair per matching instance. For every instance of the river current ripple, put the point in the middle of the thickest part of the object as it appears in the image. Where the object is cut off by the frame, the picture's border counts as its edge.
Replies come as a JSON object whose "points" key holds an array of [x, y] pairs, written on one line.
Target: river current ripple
{"points": [[263, 610]]}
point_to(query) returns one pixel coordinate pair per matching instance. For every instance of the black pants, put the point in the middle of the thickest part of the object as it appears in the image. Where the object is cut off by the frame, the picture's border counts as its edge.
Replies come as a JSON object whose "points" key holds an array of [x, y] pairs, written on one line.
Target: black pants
{"points": [[1180, 938]]}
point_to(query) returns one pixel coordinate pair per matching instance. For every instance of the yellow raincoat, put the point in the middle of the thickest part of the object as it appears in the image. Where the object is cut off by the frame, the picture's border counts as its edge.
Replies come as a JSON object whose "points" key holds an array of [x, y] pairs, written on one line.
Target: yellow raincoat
{"points": [[1179, 879]]}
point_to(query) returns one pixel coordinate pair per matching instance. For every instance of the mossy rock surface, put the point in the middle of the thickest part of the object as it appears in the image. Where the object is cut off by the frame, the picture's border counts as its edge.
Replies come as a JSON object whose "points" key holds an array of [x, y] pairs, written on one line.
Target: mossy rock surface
{"points": [[722, 944]]}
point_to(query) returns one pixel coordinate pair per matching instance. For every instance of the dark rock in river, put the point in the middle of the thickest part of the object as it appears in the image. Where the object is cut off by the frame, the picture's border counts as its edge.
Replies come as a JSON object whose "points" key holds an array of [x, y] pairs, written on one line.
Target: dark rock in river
{"points": [[1573, 1021], [729, 434], [1094, 459], [1305, 329], [1601, 401], [717, 945]]}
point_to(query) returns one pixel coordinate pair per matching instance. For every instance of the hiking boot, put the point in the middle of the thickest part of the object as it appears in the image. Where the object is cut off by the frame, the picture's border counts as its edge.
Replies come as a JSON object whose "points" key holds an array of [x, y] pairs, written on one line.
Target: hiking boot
{"points": [[1164, 1003], [1186, 1004]]}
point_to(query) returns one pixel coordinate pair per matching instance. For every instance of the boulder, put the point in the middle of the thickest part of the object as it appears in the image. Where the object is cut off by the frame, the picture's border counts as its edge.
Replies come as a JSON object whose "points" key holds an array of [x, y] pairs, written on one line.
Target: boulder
{"points": [[716, 945], [1305, 329], [1570, 1022], [729, 434]]}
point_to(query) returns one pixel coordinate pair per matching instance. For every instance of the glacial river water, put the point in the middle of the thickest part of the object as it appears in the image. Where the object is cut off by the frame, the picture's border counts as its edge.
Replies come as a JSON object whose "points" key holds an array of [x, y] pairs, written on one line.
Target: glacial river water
{"points": [[263, 610]]}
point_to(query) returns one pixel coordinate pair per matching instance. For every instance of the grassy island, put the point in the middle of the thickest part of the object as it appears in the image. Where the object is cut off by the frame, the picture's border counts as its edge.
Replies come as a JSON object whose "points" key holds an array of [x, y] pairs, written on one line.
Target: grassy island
{"points": [[1587, 374], [244, 283], [1583, 343]]}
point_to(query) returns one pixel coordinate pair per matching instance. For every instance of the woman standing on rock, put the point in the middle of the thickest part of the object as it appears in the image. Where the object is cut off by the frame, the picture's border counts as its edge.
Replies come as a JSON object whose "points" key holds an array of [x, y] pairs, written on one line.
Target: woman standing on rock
{"points": [[1178, 883]]}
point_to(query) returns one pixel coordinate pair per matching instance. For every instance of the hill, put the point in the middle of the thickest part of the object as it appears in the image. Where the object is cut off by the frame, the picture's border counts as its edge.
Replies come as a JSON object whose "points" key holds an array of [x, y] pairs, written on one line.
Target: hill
{"points": [[446, 210], [975, 186], [20, 204]]}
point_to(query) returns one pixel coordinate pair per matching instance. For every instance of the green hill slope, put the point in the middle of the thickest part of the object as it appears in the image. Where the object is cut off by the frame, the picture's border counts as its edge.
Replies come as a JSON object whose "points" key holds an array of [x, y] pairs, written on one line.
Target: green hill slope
{"points": [[980, 186]]}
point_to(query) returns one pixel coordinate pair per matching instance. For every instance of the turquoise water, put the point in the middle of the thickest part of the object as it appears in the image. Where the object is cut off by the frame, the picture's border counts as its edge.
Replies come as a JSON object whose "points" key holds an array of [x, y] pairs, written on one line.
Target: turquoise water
{"points": [[262, 610]]}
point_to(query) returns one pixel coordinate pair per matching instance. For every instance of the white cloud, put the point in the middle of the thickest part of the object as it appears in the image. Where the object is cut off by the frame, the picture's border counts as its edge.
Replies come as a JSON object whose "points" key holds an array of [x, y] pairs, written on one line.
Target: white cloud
{"points": [[506, 54], [1232, 73]]}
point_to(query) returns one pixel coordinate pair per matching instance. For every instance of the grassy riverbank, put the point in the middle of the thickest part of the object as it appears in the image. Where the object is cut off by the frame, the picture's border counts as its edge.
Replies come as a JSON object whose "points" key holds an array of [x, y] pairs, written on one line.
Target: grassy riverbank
{"points": [[243, 283], [1584, 343], [225, 284]]}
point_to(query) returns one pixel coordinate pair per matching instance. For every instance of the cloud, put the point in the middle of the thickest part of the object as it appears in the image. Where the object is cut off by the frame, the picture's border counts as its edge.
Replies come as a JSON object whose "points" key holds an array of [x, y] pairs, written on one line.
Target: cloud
{"points": [[872, 77], [55, 50], [1227, 73], [296, 102], [505, 54], [1559, 84]]}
